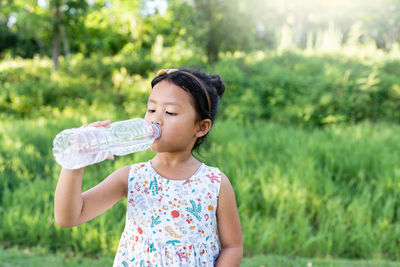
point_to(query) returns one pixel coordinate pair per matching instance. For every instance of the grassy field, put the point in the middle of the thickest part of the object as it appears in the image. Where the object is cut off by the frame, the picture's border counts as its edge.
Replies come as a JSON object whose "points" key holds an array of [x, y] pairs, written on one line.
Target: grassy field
{"points": [[36, 258], [300, 192]]}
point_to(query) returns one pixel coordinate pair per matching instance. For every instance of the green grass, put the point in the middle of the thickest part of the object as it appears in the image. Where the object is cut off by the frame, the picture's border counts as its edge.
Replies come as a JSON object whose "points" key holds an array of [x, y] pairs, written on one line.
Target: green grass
{"points": [[275, 261], [300, 192], [37, 258], [331, 191]]}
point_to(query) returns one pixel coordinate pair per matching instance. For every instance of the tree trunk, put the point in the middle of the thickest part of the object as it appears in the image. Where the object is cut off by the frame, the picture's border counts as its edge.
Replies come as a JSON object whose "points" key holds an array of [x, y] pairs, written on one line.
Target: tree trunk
{"points": [[56, 35], [211, 46], [41, 46], [65, 43]]}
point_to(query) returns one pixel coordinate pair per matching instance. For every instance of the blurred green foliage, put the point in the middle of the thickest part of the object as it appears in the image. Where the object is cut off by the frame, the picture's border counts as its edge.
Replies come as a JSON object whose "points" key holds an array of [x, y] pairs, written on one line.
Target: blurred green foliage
{"points": [[288, 87], [327, 187], [312, 90], [312, 193], [30, 27], [314, 158]]}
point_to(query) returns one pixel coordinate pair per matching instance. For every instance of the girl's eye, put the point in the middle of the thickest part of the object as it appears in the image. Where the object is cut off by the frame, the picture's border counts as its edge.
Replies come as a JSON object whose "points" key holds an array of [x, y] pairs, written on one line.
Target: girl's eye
{"points": [[170, 113], [151, 110]]}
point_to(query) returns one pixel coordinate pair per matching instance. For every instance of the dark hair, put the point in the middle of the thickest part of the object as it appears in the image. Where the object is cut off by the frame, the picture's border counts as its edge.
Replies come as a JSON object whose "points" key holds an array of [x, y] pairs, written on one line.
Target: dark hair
{"points": [[206, 91]]}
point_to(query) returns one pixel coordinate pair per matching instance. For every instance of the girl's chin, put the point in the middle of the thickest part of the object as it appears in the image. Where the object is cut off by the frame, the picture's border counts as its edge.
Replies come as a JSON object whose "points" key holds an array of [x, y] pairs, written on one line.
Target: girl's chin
{"points": [[155, 147]]}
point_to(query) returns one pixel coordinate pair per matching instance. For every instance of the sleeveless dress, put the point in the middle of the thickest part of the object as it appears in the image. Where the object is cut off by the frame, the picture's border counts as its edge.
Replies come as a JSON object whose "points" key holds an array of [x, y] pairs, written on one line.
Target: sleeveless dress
{"points": [[170, 222]]}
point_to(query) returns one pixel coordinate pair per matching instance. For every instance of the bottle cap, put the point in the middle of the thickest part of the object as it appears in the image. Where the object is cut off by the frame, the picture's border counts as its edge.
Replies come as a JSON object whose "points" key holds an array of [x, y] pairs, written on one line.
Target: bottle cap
{"points": [[157, 131]]}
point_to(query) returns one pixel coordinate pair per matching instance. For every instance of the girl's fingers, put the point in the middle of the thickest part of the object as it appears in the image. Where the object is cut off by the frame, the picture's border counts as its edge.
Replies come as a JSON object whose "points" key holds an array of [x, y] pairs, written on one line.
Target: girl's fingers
{"points": [[99, 123], [110, 158], [94, 124], [105, 123]]}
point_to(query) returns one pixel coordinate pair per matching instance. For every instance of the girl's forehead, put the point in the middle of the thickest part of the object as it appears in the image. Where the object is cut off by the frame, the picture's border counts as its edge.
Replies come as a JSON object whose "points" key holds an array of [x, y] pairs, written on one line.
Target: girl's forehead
{"points": [[168, 93]]}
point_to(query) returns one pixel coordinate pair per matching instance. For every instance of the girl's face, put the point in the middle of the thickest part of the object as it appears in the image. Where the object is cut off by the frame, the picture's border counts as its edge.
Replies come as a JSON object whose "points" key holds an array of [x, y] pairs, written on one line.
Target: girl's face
{"points": [[171, 107]]}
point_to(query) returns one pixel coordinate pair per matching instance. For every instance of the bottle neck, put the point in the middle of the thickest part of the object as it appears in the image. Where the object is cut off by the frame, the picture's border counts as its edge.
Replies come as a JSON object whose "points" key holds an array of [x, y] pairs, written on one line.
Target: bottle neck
{"points": [[156, 131]]}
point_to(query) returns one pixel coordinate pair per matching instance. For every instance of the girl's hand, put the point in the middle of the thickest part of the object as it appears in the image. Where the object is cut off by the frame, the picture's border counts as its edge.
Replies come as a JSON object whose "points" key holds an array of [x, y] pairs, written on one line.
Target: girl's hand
{"points": [[99, 124]]}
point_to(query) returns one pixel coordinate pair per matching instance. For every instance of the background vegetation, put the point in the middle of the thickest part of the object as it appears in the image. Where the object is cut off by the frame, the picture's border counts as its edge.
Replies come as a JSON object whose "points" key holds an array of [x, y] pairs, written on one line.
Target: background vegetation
{"points": [[312, 99]]}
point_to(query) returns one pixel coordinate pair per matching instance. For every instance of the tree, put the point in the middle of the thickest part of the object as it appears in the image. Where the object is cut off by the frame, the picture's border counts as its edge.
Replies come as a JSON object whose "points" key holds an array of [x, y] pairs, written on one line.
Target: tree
{"points": [[56, 33], [23, 27], [65, 14], [382, 22], [215, 25], [109, 26]]}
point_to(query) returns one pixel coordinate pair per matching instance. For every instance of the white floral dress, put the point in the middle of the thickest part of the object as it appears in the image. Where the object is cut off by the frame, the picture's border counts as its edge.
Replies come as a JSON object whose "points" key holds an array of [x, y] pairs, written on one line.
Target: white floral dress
{"points": [[170, 222]]}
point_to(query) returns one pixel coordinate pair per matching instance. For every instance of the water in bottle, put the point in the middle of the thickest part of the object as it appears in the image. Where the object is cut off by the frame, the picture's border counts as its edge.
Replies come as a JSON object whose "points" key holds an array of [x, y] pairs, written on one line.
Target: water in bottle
{"points": [[79, 147]]}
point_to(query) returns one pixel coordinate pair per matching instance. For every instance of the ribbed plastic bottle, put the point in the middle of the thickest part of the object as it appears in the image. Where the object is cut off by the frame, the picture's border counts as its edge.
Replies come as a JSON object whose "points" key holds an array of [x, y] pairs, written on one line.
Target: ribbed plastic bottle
{"points": [[79, 147]]}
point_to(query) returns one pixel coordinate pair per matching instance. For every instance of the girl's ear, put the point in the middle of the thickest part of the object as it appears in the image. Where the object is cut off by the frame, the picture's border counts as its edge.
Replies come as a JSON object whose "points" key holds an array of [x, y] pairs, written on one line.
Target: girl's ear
{"points": [[203, 127]]}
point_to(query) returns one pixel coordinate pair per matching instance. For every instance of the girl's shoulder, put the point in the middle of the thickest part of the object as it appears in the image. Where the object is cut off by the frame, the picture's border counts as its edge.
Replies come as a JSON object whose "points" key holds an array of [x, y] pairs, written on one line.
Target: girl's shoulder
{"points": [[213, 173], [212, 176], [138, 167], [209, 167]]}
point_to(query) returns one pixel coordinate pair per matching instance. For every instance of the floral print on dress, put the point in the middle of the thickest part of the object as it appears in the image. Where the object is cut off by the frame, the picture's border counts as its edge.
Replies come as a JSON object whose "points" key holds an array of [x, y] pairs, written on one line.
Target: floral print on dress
{"points": [[170, 222]]}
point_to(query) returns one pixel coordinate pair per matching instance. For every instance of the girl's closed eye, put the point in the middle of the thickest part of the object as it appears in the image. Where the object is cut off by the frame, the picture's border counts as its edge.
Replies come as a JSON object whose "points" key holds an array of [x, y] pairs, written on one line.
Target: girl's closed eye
{"points": [[171, 113], [151, 110]]}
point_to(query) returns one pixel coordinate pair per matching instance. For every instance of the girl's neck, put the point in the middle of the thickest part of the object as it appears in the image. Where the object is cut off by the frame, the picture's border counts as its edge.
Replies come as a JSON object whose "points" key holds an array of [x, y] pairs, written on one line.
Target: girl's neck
{"points": [[172, 160], [175, 167]]}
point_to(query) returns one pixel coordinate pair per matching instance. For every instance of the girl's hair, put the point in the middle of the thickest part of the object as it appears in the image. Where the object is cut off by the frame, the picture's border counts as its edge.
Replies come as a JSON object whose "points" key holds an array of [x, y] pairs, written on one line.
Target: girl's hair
{"points": [[206, 91]]}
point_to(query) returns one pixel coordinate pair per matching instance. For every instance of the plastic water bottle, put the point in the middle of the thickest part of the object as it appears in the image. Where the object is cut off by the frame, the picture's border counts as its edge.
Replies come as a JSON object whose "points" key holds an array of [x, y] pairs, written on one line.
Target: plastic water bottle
{"points": [[79, 147]]}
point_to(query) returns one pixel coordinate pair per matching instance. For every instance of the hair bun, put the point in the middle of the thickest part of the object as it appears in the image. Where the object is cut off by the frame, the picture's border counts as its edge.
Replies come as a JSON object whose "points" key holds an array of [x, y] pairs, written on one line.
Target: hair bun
{"points": [[218, 84]]}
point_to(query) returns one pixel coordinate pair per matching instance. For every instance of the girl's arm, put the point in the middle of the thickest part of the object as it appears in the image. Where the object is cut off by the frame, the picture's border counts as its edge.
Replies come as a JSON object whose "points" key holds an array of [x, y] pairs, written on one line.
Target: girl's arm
{"points": [[72, 208], [230, 233]]}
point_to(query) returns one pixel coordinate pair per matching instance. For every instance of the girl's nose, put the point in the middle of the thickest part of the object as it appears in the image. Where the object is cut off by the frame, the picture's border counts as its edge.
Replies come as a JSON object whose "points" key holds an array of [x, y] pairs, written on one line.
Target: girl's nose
{"points": [[156, 122], [156, 119]]}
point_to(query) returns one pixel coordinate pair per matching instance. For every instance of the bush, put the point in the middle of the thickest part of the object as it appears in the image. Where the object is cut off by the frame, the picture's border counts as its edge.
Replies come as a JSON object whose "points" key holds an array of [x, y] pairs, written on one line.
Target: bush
{"points": [[308, 90], [291, 88], [328, 191], [31, 89]]}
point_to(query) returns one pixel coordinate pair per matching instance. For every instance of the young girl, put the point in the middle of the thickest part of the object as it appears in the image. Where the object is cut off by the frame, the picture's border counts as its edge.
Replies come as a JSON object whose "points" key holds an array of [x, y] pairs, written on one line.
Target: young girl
{"points": [[180, 212]]}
